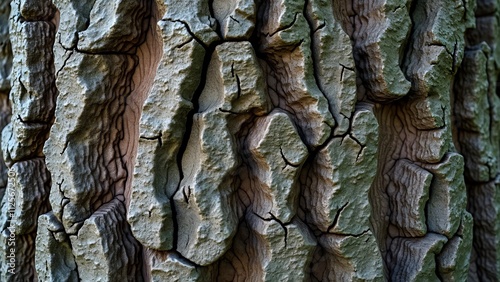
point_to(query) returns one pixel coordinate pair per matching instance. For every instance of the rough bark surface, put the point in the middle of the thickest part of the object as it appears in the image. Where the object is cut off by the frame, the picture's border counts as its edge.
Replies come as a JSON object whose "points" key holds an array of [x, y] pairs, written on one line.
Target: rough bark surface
{"points": [[250, 140]]}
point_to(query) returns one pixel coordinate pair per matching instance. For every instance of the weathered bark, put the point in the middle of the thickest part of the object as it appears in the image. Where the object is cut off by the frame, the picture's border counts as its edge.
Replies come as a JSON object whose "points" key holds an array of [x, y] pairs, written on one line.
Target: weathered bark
{"points": [[298, 140]]}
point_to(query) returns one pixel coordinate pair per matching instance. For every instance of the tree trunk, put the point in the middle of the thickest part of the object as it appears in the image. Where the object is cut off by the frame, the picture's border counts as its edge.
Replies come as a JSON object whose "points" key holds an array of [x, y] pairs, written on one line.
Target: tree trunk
{"points": [[249, 140]]}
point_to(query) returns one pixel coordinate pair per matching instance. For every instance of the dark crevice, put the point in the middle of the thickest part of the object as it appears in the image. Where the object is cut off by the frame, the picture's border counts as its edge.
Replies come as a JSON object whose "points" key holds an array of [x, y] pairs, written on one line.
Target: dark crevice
{"points": [[284, 27], [185, 260], [184, 43], [239, 86], [283, 225], [32, 122], [287, 162], [321, 26], [343, 69], [64, 63], [337, 216], [351, 235], [454, 66], [158, 137], [228, 111], [234, 19], [186, 25]]}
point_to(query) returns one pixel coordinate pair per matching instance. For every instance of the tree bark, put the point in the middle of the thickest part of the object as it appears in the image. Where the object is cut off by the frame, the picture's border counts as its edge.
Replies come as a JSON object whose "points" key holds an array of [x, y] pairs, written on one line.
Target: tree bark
{"points": [[249, 140]]}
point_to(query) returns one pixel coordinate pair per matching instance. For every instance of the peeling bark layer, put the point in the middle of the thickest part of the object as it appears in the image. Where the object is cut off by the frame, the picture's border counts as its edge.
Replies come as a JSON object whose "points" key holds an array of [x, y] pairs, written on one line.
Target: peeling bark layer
{"points": [[248, 140]]}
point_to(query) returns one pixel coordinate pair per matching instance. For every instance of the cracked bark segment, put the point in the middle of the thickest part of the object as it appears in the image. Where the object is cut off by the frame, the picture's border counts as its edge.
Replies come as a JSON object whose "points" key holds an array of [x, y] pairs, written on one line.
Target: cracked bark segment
{"points": [[278, 154], [453, 261], [435, 50], [21, 259], [30, 181], [283, 252], [195, 15], [172, 267], [204, 203], [420, 265], [87, 159], [34, 93], [333, 62], [378, 31], [236, 18], [334, 198], [105, 248], [21, 141], [475, 94], [447, 195], [350, 258], [161, 129], [115, 26], [33, 97], [54, 260], [37, 10], [74, 17], [408, 194], [285, 46], [234, 72]]}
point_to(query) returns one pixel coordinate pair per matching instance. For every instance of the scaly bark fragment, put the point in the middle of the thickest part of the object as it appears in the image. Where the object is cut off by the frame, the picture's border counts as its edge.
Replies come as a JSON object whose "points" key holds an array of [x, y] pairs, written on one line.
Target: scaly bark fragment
{"points": [[333, 62], [54, 259], [104, 247], [408, 194], [284, 43], [236, 18], [333, 197], [161, 129], [205, 202], [277, 155]]}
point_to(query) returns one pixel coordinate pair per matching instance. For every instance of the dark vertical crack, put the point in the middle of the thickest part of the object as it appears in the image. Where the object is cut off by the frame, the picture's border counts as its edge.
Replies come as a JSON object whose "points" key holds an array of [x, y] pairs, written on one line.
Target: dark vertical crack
{"points": [[337, 216], [239, 86], [314, 56], [189, 127]]}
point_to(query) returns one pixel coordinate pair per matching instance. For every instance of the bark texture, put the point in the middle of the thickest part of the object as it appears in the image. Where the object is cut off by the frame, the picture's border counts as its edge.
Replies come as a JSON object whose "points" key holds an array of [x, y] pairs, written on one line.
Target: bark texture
{"points": [[250, 140]]}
